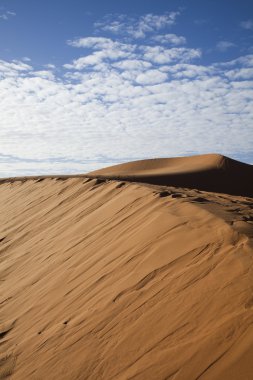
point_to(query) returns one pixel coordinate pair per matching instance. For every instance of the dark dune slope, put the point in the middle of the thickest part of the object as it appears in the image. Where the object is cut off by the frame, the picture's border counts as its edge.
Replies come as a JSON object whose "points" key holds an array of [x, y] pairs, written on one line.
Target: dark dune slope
{"points": [[210, 172]]}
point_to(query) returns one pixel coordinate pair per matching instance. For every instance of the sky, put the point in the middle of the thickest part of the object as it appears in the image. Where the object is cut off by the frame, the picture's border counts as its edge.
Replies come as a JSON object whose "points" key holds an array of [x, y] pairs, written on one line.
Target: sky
{"points": [[88, 84]]}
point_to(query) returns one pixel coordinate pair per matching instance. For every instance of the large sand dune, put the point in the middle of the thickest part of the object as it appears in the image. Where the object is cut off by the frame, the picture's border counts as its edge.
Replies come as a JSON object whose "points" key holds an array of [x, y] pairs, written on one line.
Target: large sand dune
{"points": [[104, 279], [210, 172]]}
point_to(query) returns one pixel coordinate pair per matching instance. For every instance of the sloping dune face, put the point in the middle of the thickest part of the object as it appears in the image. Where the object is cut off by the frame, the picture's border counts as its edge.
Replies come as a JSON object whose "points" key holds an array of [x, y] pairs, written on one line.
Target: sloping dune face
{"points": [[114, 280], [210, 172]]}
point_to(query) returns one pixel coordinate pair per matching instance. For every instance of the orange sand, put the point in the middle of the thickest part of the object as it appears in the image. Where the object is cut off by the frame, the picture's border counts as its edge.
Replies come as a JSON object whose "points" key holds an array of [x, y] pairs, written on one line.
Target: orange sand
{"points": [[102, 279]]}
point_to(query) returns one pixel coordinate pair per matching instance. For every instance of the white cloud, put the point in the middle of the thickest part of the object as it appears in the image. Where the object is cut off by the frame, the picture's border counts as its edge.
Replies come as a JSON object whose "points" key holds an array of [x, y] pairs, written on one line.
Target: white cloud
{"points": [[26, 59], [132, 64], [182, 70], [125, 56], [105, 49], [248, 24], [246, 61], [97, 59], [151, 77], [92, 42], [137, 27], [224, 45], [13, 68], [46, 74], [50, 66], [83, 62], [161, 55], [157, 100], [171, 39], [101, 43], [185, 108], [241, 73]]}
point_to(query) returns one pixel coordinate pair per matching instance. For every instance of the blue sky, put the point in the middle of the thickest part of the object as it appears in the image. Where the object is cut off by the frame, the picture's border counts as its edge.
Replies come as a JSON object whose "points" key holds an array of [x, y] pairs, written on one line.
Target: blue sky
{"points": [[85, 84]]}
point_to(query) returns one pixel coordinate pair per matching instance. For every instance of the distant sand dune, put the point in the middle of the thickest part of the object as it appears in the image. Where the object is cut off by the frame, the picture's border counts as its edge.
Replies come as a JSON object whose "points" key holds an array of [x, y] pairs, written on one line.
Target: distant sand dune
{"points": [[210, 172], [104, 279]]}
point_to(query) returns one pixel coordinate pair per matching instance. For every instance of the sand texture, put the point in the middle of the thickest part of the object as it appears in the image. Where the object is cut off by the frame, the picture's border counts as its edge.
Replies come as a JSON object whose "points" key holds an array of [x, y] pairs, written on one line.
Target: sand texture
{"points": [[106, 279]]}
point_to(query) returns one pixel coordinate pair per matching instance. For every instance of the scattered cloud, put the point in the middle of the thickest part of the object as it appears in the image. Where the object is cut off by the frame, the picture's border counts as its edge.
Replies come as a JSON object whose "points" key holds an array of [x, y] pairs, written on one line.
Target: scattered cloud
{"points": [[50, 66], [240, 74], [92, 42], [104, 49], [151, 77], [6, 15], [123, 99], [248, 24], [170, 39], [107, 50], [85, 117], [46, 74], [136, 27], [224, 45], [245, 61], [13, 68], [161, 55], [189, 71], [132, 65], [26, 59]]}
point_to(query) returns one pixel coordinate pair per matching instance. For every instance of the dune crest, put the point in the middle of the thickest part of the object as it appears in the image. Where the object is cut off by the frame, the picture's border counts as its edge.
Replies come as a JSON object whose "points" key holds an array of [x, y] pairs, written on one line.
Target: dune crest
{"points": [[209, 172], [102, 279]]}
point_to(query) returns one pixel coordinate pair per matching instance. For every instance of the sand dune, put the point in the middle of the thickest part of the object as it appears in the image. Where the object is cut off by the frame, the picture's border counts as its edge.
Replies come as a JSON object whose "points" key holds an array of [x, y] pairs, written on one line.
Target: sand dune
{"points": [[105, 279], [210, 172]]}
